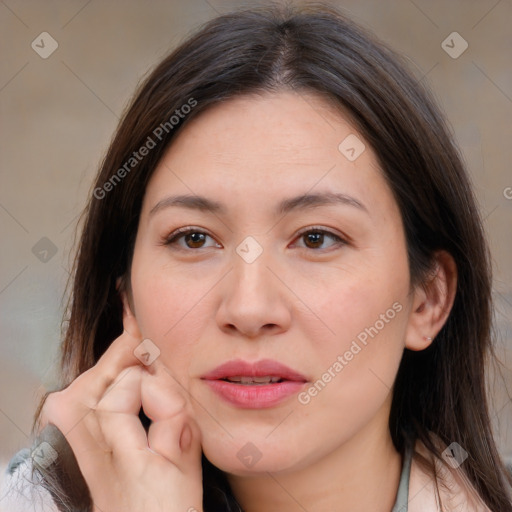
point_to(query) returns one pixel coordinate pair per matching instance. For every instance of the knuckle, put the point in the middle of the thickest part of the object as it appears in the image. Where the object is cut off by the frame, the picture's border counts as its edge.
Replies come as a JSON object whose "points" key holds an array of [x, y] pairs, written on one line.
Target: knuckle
{"points": [[61, 407], [53, 409], [53, 402]]}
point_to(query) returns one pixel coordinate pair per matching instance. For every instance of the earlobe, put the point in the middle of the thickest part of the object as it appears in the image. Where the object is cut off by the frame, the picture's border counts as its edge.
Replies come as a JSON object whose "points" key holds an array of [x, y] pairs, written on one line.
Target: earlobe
{"points": [[432, 303], [123, 294], [130, 325]]}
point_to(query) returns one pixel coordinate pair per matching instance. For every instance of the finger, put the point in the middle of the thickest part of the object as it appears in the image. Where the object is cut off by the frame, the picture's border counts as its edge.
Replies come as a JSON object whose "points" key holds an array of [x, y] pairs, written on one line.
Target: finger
{"points": [[119, 355], [163, 396], [166, 403], [177, 439], [118, 411], [80, 427]]}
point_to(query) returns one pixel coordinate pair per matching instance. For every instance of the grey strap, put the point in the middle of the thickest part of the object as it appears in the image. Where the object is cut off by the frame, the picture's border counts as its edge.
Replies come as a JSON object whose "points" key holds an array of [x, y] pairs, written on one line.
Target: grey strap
{"points": [[402, 496]]}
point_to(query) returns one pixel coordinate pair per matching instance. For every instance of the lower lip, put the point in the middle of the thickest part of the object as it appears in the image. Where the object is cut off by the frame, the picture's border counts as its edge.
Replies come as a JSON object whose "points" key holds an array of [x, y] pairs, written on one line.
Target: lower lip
{"points": [[257, 396]]}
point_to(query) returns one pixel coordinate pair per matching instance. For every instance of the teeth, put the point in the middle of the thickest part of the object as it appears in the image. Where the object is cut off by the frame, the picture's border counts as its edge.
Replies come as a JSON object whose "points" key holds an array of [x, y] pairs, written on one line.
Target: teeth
{"points": [[254, 380]]}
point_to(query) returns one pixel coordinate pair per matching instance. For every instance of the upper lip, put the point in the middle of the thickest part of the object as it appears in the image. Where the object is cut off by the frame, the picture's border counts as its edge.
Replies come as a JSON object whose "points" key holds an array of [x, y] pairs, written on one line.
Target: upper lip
{"points": [[262, 368]]}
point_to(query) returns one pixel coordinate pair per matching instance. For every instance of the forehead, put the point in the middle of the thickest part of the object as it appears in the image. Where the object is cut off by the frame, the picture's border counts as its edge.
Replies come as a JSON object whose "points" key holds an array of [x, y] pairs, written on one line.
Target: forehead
{"points": [[287, 126], [269, 146]]}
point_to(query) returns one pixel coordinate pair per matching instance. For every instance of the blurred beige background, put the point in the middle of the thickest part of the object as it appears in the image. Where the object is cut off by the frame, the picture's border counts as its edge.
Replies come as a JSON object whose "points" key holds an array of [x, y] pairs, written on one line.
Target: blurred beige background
{"points": [[58, 114]]}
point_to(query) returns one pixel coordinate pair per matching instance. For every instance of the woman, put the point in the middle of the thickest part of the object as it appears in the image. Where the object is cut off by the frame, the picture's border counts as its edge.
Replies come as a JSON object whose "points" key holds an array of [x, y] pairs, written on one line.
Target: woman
{"points": [[282, 291]]}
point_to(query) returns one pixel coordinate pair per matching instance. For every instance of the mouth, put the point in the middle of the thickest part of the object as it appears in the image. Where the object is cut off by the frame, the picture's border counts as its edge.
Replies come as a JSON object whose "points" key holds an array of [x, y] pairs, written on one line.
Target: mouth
{"points": [[262, 384], [264, 371], [253, 381]]}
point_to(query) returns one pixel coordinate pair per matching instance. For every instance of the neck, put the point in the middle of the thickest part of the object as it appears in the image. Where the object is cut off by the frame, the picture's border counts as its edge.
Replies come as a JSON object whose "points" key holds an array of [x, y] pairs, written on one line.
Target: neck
{"points": [[359, 475]]}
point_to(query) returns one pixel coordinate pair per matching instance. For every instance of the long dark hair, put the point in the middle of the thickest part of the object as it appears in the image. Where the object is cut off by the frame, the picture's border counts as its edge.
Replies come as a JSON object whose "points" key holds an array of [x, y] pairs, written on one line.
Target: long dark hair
{"points": [[439, 392]]}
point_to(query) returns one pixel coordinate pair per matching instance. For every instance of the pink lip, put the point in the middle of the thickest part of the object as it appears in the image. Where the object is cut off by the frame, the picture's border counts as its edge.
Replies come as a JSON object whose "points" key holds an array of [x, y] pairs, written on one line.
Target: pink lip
{"points": [[238, 367], [254, 396]]}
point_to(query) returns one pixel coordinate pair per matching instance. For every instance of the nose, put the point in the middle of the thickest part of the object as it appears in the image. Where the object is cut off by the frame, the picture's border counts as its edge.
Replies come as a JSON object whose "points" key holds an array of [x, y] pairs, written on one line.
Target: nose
{"points": [[255, 301]]}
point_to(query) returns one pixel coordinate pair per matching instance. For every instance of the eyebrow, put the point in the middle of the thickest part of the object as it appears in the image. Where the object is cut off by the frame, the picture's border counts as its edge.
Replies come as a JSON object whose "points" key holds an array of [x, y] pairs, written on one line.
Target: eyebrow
{"points": [[204, 204]]}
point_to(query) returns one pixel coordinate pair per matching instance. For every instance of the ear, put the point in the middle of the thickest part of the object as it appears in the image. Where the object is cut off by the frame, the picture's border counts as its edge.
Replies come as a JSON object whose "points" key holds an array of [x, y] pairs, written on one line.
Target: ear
{"points": [[124, 289], [432, 302]]}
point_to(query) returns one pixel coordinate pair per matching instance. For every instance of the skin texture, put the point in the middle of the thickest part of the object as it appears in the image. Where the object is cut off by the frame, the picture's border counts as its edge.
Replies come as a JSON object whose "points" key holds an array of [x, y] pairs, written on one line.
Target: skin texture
{"points": [[302, 302]]}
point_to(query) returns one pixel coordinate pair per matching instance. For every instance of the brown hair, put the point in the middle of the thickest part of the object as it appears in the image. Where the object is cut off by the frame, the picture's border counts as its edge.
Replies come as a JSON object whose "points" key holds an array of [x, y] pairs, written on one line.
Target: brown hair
{"points": [[439, 392]]}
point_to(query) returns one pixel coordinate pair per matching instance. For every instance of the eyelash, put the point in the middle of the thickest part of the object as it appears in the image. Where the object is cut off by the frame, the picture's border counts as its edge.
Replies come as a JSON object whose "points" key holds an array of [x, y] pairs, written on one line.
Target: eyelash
{"points": [[173, 238]]}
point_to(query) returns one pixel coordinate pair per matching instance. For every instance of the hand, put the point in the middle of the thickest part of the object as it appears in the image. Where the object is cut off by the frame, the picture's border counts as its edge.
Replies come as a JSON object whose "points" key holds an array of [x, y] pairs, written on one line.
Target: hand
{"points": [[125, 469]]}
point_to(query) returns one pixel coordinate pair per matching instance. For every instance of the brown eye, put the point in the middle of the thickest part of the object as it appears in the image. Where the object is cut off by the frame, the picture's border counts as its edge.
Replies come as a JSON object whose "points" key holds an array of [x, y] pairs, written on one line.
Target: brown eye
{"points": [[315, 238], [192, 238]]}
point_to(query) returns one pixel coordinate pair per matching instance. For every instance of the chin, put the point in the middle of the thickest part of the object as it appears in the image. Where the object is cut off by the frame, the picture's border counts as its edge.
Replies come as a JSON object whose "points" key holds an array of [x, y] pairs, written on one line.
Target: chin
{"points": [[245, 458]]}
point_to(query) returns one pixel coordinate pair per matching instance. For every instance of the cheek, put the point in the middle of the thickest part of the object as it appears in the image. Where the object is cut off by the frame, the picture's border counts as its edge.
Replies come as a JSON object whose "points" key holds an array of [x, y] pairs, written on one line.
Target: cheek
{"points": [[359, 362], [169, 311], [363, 362], [355, 363], [356, 367], [364, 303]]}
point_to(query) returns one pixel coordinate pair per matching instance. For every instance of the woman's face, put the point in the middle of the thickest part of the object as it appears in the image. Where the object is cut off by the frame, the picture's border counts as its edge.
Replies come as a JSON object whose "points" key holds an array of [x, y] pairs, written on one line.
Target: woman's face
{"points": [[332, 304]]}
